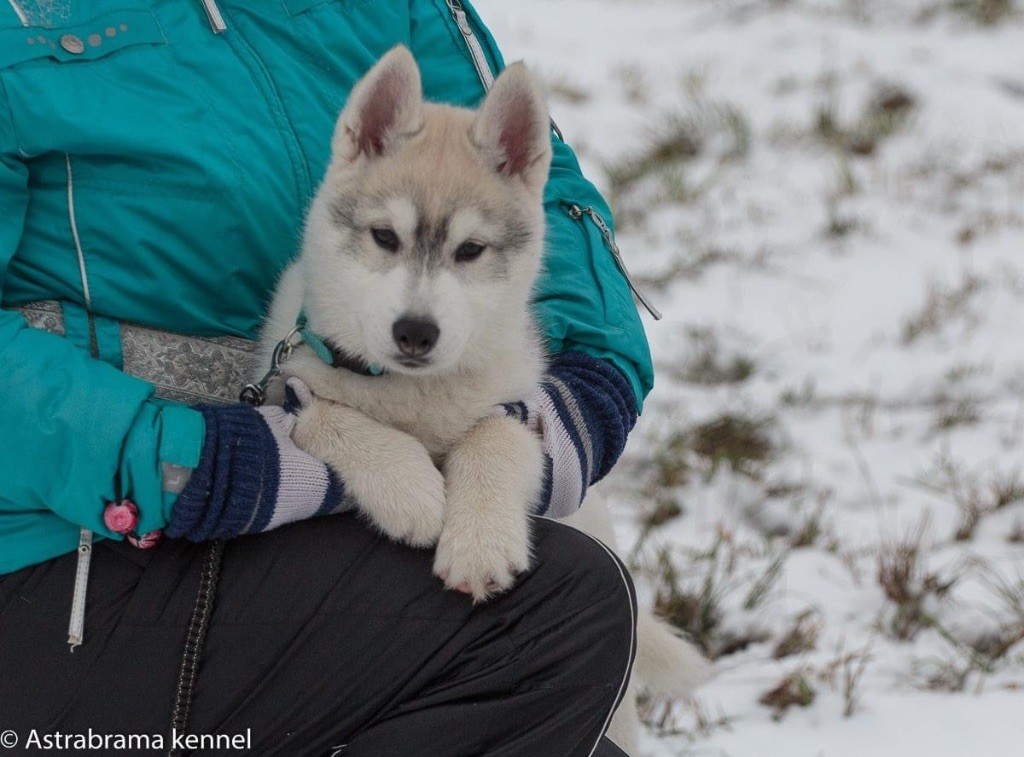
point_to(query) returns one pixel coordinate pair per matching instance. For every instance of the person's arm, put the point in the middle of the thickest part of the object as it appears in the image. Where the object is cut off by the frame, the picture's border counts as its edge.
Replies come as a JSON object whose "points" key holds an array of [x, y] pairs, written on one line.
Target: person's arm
{"points": [[74, 430], [601, 364]]}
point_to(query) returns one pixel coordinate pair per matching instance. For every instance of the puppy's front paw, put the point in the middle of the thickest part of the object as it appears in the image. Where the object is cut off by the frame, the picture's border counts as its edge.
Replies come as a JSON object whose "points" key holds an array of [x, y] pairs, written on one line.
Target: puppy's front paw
{"points": [[492, 478], [406, 503], [482, 553], [389, 474]]}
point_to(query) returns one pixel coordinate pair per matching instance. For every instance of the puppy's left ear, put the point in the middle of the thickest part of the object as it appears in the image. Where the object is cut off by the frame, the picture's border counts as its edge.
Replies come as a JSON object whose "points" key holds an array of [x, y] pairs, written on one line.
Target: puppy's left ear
{"points": [[513, 128]]}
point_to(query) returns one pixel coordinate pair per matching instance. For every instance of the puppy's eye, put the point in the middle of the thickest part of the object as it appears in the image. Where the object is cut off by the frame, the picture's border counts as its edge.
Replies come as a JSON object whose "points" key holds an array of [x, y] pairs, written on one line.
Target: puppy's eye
{"points": [[468, 251], [386, 239]]}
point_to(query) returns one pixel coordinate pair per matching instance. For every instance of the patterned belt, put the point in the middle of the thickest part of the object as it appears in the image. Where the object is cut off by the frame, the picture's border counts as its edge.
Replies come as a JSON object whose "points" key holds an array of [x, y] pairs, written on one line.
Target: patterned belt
{"points": [[182, 368]]}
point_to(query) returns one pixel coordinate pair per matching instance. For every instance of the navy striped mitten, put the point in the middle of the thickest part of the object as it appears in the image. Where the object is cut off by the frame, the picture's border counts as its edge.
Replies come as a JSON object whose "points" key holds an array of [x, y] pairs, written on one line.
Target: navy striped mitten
{"points": [[583, 411], [251, 477]]}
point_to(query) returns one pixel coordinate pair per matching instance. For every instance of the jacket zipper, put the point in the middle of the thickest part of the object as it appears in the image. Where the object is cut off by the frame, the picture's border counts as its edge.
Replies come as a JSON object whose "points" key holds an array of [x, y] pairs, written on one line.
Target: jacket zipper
{"points": [[476, 51], [577, 213], [76, 624]]}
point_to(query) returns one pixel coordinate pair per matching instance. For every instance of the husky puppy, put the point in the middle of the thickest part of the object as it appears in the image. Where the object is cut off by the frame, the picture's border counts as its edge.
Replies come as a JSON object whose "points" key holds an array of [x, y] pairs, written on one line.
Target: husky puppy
{"points": [[418, 262], [420, 254]]}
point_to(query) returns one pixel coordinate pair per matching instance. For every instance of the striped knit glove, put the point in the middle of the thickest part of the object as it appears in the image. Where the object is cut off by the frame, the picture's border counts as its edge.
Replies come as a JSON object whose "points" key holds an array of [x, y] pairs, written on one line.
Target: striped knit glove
{"points": [[583, 411], [251, 477]]}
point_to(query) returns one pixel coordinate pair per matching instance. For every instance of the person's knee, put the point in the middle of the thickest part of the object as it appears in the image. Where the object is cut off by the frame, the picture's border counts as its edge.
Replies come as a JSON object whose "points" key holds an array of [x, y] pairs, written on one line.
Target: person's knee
{"points": [[586, 578], [575, 555]]}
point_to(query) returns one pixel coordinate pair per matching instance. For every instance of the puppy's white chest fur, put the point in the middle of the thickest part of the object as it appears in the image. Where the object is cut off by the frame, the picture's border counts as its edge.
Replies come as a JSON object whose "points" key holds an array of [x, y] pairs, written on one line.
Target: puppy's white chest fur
{"points": [[438, 411]]}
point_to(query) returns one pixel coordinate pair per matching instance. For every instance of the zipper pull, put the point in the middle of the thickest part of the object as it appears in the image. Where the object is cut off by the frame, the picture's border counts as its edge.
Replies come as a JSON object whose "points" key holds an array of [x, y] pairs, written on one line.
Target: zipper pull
{"points": [[577, 213], [460, 19], [214, 16], [76, 626]]}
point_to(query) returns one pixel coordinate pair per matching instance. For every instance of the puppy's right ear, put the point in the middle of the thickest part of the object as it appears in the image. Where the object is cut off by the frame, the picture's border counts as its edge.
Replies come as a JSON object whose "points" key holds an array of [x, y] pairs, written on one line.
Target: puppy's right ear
{"points": [[385, 105]]}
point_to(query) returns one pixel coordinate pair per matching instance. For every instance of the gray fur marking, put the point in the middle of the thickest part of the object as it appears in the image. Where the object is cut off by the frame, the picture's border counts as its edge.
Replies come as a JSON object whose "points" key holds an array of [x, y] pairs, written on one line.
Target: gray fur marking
{"points": [[430, 241]]}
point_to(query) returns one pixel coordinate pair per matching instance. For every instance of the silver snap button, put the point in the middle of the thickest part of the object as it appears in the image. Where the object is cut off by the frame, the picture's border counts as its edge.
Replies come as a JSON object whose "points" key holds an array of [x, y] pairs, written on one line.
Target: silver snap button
{"points": [[72, 44]]}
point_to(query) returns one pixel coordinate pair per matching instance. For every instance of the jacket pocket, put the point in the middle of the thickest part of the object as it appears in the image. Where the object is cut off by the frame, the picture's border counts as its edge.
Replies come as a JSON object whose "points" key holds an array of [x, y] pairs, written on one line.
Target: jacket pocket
{"points": [[96, 39]]}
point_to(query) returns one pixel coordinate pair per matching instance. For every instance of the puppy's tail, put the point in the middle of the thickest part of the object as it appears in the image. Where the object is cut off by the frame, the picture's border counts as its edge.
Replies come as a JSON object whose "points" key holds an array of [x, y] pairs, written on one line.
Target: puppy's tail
{"points": [[667, 665]]}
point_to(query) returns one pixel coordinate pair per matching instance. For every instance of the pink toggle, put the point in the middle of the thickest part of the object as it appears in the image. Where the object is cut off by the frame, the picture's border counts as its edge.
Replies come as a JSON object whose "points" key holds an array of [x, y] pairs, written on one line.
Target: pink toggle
{"points": [[121, 517], [146, 541]]}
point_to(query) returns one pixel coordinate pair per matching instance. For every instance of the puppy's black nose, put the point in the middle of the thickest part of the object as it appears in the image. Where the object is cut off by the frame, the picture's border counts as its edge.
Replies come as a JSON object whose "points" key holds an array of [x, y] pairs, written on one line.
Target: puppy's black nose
{"points": [[415, 337]]}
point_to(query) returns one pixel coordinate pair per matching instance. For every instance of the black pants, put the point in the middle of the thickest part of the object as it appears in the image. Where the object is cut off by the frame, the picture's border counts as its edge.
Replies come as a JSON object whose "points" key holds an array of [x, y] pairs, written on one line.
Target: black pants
{"points": [[325, 638]]}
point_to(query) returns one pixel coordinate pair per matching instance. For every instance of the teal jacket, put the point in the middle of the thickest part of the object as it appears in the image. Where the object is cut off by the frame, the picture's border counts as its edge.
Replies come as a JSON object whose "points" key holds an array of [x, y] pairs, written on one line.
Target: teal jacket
{"points": [[155, 170]]}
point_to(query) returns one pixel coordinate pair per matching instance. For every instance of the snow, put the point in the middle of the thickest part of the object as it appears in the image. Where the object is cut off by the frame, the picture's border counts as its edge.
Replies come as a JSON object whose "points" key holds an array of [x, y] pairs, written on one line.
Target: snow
{"points": [[878, 296]]}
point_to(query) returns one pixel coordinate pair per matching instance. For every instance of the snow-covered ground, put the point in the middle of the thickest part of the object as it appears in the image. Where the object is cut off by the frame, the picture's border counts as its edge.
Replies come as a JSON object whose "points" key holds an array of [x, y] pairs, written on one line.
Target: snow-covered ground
{"points": [[826, 198]]}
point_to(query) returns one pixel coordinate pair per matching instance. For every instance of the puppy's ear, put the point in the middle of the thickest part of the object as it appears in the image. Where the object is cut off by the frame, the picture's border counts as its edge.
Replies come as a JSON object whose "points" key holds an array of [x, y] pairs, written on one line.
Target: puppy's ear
{"points": [[513, 128], [384, 106]]}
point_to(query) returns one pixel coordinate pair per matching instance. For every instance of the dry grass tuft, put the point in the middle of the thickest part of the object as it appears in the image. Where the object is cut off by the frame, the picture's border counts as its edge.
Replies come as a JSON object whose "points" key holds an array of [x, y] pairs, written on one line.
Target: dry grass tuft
{"points": [[812, 525], [742, 443], [974, 497], [965, 411], [1006, 489], [671, 464], [565, 90], [762, 587], [658, 174], [985, 12], [696, 604], [665, 510], [909, 586], [886, 113], [987, 652], [794, 690], [941, 306], [847, 671], [696, 611], [1016, 535], [691, 263], [801, 637], [705, 365]]}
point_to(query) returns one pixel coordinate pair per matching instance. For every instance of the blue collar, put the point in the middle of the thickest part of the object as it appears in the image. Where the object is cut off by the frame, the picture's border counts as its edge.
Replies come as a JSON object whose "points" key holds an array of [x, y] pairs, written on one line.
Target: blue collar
{"points": [[334, 356]]}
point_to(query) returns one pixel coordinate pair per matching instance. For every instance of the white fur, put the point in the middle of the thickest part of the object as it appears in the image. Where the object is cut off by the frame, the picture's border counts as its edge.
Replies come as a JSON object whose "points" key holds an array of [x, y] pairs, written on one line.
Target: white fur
{"points": [[491, 479], [420, 449], [386, 435]]}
